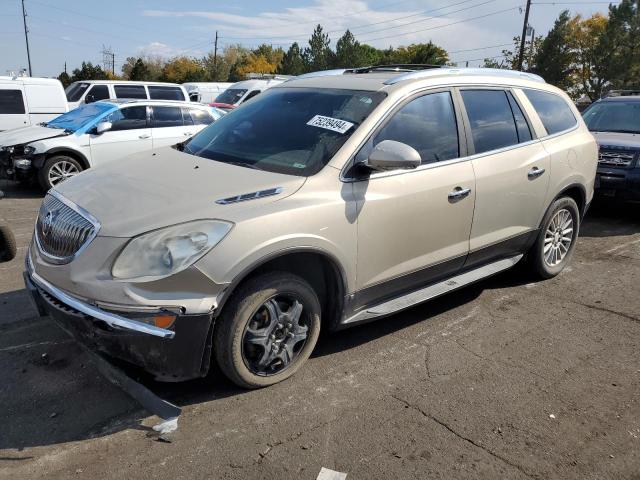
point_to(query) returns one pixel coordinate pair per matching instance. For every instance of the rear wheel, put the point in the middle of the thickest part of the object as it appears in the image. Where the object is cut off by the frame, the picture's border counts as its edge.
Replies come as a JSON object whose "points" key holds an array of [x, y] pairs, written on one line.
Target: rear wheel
{"points": [[557, 238], [267, 330], [57, 169]]}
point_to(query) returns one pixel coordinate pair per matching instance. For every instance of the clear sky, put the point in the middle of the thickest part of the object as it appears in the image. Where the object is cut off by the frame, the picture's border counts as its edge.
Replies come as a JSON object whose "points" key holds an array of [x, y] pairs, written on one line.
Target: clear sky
{"points": [[73, 31]]}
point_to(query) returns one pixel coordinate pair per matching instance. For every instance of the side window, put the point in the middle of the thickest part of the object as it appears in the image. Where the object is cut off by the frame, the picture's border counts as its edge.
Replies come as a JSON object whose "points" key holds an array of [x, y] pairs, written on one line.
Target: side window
{"points": [[491, 119], [130, 91], [128, 118], [252, 94], [524, 132], [200, 117], [97, 92], [165, 93], [427, 123], [166, 117], [552, 109], [11, 102]]}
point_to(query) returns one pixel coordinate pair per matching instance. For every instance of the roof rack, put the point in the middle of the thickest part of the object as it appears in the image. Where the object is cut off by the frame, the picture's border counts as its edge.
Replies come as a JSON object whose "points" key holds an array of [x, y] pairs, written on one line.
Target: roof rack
{"points": [[394, 67], [465, 71]]}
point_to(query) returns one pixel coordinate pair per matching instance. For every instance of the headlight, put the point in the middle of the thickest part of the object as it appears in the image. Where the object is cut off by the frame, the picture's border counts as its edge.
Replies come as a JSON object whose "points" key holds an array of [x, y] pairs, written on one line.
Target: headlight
{"points": [[8, 149], [29, 150], [169, 250]]}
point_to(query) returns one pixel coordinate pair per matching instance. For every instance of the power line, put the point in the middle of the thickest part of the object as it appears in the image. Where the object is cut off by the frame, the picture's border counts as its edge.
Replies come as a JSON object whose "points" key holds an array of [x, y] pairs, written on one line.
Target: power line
{"points": [[481, 48]]}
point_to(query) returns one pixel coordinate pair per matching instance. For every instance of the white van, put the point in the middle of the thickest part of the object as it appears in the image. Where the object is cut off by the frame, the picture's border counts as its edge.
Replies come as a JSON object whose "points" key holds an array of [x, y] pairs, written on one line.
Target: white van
{"points": [[28, 101], [89, 91], [246, 89], [205, 92]]}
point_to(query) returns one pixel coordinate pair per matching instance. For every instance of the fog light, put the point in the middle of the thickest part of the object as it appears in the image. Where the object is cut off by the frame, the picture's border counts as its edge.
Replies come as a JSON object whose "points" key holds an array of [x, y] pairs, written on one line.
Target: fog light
{"points": [[23, 163], [164, 320]]}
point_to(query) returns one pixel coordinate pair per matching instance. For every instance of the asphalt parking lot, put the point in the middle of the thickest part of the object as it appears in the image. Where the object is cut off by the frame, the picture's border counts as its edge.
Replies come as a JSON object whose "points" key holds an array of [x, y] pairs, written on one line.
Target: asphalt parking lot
{"points": [[506, 379]]}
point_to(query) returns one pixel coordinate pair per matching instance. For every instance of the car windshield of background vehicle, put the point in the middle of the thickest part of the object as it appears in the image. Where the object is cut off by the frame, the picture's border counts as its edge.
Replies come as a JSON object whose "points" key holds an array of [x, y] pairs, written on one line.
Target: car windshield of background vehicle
{"points": [[615, 116], [79, 117], [295, 131], [75, 91], [230, 96]]}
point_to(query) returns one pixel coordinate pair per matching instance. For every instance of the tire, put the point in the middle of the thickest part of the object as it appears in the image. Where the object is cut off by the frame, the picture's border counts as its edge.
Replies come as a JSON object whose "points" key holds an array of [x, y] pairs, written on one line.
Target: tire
{"points": [[58, 164], [245, 332], [8, 247], [542, 261]]}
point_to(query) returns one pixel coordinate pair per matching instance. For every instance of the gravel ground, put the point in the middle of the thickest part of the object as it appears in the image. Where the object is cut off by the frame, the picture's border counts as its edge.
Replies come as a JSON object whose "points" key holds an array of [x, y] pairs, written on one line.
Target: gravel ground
{"points": [[508, 378]]}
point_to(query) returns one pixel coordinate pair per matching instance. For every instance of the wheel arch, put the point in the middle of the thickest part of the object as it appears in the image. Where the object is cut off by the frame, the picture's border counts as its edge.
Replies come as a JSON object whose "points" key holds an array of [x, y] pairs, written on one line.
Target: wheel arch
{"points": [[578, 193], [69, 152]]}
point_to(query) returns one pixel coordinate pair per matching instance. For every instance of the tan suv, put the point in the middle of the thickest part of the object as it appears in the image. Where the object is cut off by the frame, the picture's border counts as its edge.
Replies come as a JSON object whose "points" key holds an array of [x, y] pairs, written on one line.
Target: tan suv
{"points": [[330, 201]]}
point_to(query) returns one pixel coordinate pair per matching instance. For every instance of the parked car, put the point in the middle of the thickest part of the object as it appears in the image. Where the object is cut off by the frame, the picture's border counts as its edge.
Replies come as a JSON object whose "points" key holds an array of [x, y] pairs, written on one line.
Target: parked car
{"points": [[245, 90], [205, 92], [27, 101], [97, 133], [615, 122], [79, 93], [324, 201]]}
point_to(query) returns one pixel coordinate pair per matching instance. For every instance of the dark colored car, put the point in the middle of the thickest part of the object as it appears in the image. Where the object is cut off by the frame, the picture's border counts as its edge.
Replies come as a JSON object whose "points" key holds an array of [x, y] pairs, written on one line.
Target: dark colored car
{"points": [[615, 123]]}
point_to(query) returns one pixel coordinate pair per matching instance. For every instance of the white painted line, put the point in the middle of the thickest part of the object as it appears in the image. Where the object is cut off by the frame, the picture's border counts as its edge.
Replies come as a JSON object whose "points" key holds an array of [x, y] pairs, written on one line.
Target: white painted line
{"points": [[33, 344], [628, 244], [326, 474]]}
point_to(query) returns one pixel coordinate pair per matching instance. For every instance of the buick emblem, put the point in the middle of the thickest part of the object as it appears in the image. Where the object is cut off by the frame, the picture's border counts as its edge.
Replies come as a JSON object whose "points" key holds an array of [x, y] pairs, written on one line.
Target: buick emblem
{"points": [[47, 223]]}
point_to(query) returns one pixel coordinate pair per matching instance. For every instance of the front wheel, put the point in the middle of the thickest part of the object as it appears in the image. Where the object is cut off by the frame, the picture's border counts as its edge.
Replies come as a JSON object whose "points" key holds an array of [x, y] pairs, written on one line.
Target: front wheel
{"points": [[267, 330], [57, 169], [557, 238], [8, 247]]}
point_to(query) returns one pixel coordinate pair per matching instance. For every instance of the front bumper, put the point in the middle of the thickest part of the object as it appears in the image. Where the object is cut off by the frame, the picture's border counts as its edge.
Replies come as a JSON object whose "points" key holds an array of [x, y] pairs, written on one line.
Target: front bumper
{"points": [[618, 183], [181, 352]]}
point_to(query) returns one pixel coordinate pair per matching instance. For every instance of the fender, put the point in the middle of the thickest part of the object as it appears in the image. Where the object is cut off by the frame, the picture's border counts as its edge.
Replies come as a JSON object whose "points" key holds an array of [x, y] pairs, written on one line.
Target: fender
{"points": [[39, 160]]}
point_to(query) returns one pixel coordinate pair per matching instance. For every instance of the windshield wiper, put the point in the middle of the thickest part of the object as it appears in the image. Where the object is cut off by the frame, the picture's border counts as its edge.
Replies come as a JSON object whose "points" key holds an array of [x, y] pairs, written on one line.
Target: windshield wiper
{"points": [[240, 164]]}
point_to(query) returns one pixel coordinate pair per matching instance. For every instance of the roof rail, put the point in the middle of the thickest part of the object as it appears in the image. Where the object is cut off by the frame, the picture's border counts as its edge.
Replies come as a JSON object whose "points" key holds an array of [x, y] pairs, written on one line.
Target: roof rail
{"points": [[620, 93], [465, 71], [322, 73], [268, 76], [395, 67]]}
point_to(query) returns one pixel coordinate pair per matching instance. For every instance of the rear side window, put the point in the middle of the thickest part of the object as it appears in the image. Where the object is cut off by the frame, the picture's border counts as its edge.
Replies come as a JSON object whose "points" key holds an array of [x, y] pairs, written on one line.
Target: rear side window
{"points": [[128, 118], [491, 119], [167, 117], [199, 117], [11, 102], [165, 93], [251, 95], [130, 91], [524, 132], [555, 114], [428, 124], [97, 92]]}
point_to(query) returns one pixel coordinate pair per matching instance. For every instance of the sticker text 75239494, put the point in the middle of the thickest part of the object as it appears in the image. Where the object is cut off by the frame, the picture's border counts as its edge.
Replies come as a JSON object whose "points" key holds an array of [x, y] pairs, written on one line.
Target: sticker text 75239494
{"points": [[329, 123]]}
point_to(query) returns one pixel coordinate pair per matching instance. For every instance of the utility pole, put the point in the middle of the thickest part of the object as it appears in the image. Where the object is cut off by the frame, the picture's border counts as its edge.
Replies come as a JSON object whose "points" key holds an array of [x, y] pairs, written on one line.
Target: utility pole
{"points": [[26, 35], [215, 56], [524, 32], [113, 63], [533, 37]]}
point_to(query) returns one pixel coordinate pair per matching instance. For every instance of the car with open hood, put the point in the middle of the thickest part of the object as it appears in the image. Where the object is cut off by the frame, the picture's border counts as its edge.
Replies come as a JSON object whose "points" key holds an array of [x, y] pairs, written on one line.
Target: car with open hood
{"points": [[327, 201], [93, 134]]}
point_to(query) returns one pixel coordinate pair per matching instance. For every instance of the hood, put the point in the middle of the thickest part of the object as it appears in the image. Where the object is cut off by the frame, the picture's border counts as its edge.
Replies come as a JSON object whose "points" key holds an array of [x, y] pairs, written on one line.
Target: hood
{"points": [[615, 139], [22, 135], [147, 191]]}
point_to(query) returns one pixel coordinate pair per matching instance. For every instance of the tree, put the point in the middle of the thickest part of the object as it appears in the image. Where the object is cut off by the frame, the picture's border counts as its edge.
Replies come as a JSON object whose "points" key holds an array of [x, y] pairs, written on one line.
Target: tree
{"points": [[621, 39], [427, 53], [349, 52], [64, 79], [222, 69], [88, 72], [183, 69], [139, 71], [592, 71], [255, 64], [555, 61], [292, 62], [318, 55], [509, 58]]}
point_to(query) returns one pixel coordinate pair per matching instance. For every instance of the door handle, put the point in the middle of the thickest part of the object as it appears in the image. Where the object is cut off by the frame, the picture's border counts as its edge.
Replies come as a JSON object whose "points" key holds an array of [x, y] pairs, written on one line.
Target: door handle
{"points": [[458, 193], [535, 172], [144, 135]]}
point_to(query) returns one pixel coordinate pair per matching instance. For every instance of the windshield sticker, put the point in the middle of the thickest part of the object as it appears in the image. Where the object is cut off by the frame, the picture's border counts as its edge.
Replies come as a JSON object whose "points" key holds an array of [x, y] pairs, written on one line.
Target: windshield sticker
{"points": [[329, 123]]}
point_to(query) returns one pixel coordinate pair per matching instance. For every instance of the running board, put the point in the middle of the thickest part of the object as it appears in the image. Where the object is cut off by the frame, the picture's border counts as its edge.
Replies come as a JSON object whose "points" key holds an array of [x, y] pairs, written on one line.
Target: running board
{"points": [[432, 291]]}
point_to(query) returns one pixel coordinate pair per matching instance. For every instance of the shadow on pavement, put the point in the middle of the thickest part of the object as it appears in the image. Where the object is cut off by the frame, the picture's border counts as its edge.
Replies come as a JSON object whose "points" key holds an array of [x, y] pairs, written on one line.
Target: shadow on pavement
{"points": [[607, 218]]}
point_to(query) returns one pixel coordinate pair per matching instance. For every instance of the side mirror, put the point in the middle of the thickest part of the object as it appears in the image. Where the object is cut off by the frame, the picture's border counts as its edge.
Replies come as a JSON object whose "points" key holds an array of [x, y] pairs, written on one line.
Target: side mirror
{"points": [[103, 127], [392, 155], [89, 99]]}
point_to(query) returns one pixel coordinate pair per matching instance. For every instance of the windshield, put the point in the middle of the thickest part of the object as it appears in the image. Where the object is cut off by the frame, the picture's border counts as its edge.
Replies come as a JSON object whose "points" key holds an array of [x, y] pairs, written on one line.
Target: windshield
{"points": [[231, 96], [79, 117], [614, 116], [75, 91], [295, 131]]}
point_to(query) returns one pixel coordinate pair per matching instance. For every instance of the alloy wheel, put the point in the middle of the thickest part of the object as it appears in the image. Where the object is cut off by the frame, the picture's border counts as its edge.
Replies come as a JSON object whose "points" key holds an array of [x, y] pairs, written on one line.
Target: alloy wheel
{"points": [[61, 171], [558, 237]]}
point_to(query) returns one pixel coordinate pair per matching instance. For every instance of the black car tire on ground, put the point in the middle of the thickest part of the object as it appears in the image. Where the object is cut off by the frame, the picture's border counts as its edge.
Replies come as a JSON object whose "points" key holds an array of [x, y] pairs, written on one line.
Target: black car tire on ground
{"points": [[536, 255], [43, 174], [238, 314], [8, 247]]}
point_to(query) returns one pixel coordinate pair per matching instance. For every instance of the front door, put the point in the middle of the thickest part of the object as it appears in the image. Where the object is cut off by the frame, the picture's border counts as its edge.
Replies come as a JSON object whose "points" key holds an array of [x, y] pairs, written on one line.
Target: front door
{"points": [[414, 225], [130, 133], [512, 175]]}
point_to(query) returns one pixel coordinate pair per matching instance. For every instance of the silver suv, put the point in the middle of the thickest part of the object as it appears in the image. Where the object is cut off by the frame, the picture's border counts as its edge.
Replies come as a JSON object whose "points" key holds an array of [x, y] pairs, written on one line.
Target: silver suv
{"points": [[325, 201]]}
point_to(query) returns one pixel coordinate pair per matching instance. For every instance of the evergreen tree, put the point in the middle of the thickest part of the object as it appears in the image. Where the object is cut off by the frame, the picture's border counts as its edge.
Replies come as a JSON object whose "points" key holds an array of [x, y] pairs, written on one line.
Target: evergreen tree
{"points": [[318, 55], [292, 62], [555, 58], [139, 71]]}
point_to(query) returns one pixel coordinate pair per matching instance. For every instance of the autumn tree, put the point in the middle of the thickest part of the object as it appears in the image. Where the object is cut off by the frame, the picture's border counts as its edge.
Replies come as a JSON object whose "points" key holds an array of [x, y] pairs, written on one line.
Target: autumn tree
{"points": [[183, 69]]}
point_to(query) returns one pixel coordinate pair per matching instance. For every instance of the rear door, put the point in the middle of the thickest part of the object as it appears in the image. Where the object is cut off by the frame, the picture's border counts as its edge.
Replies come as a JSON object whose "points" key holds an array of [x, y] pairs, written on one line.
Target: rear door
{"points": [[130, 133], [13, 112], [196, 119], [512, 174], [130, 91], [168, 126]]}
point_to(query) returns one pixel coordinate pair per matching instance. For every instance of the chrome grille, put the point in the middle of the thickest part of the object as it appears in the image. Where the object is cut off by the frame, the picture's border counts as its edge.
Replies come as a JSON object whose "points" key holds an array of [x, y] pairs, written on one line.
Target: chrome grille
{"points": [[615, 158], [63, 230]]}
